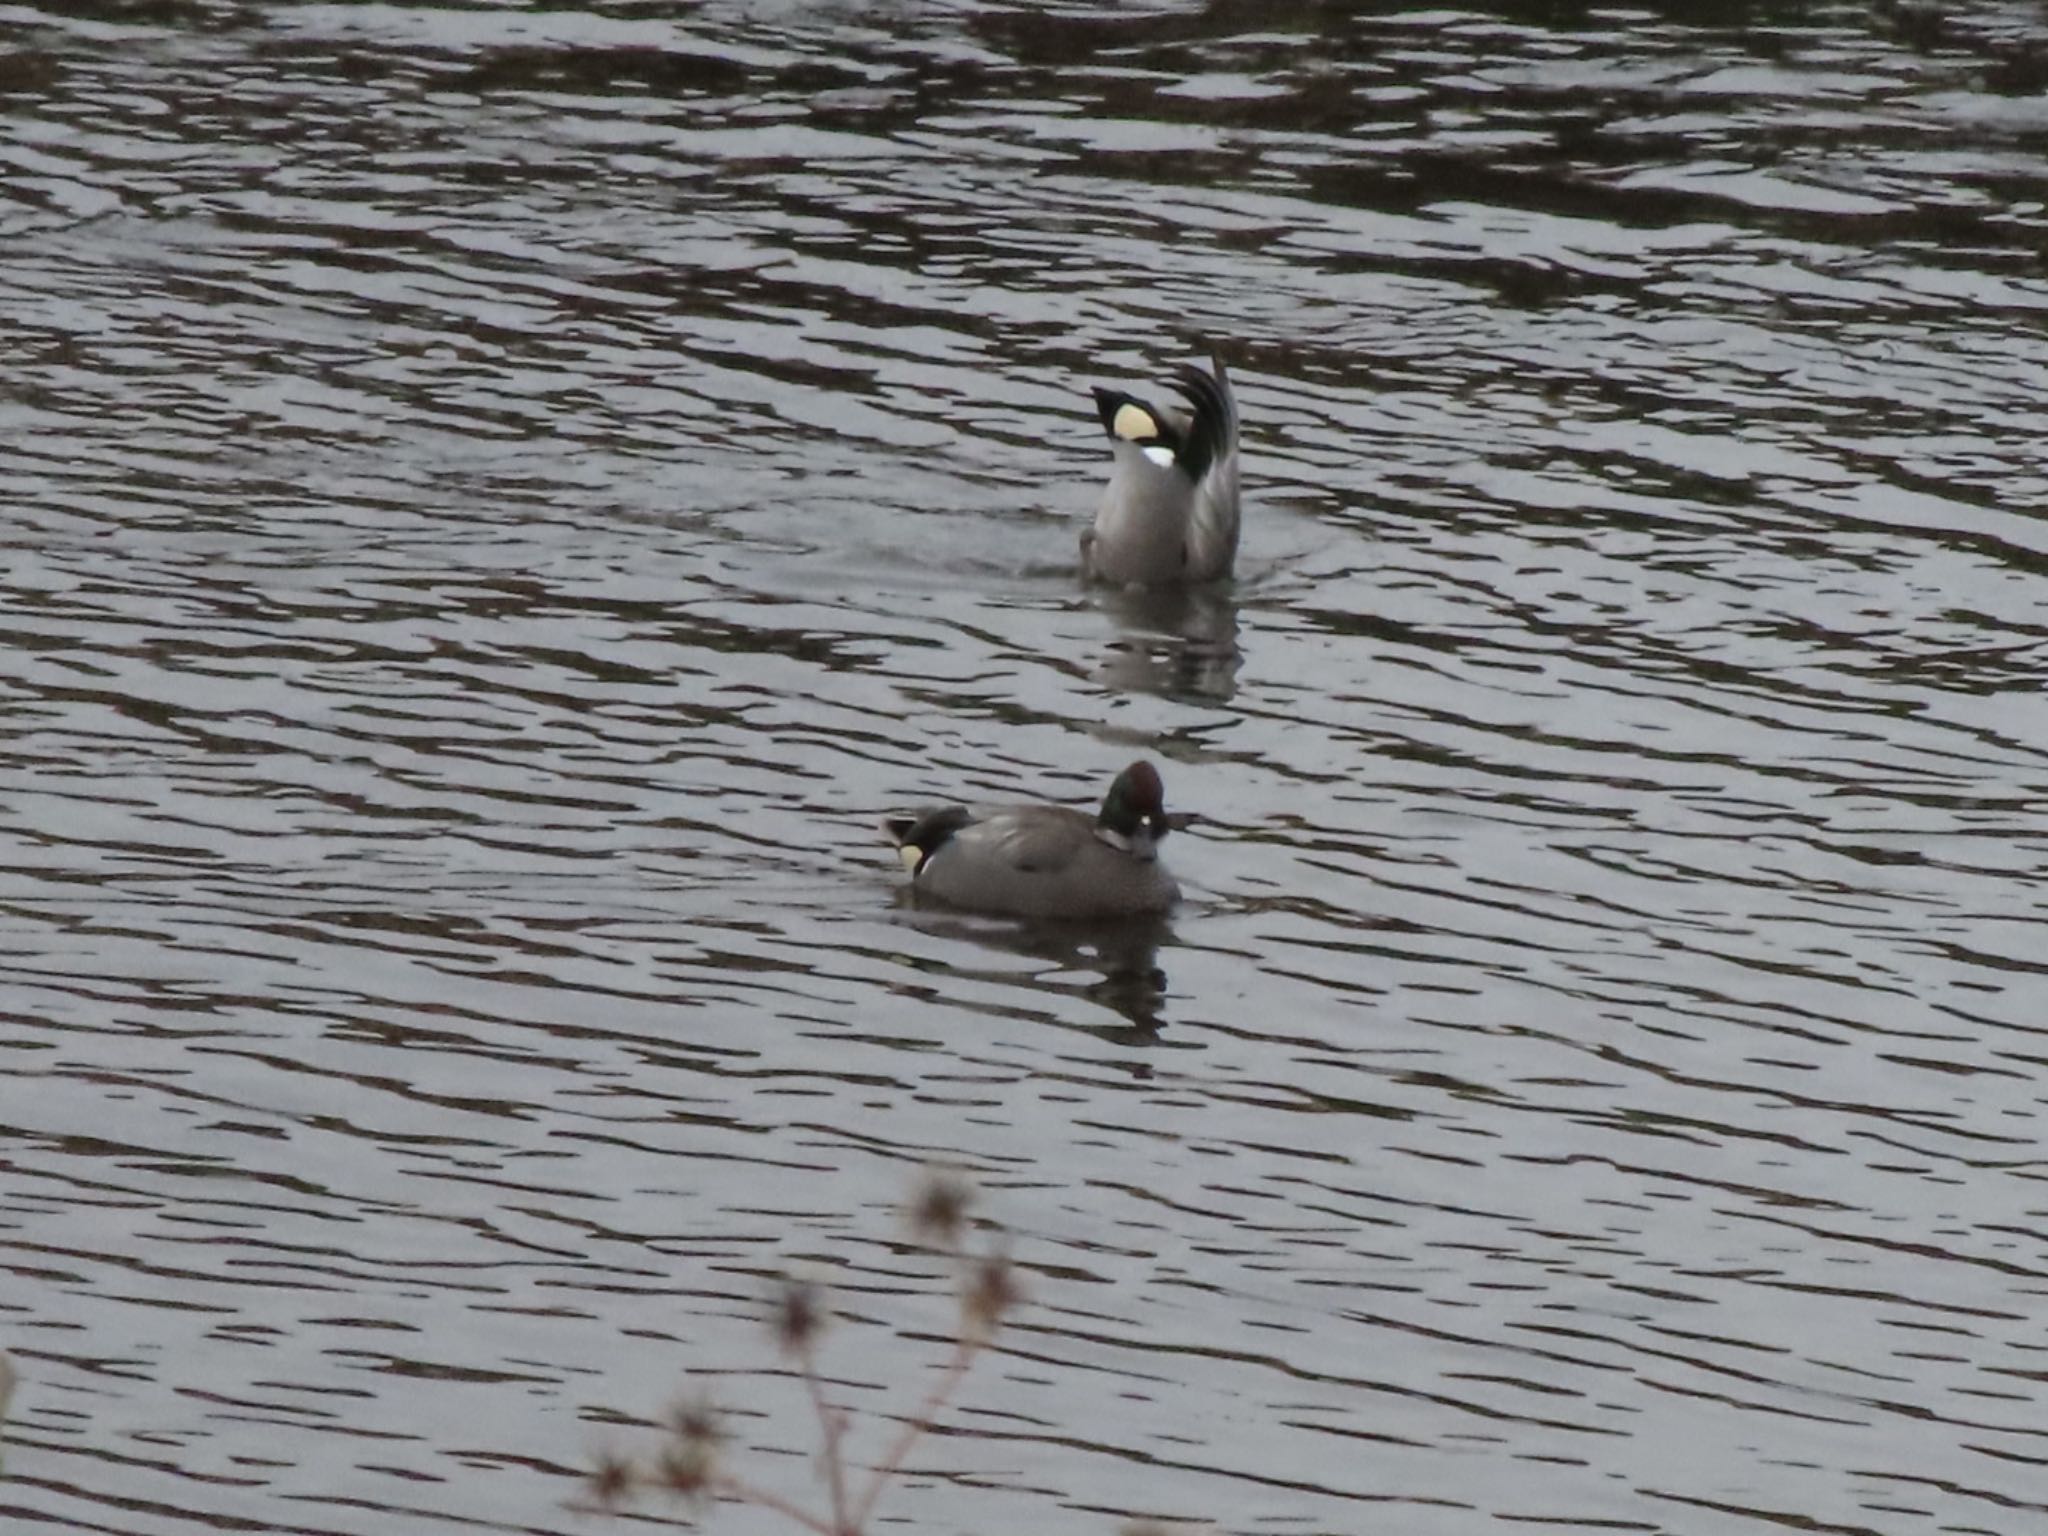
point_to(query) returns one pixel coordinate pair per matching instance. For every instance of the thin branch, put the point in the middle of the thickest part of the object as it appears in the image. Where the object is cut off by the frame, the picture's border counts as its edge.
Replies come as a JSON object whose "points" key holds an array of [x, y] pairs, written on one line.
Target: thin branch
{"points": [[964, 1351], [832, 1425], [7, 1380], [739, 1488]]}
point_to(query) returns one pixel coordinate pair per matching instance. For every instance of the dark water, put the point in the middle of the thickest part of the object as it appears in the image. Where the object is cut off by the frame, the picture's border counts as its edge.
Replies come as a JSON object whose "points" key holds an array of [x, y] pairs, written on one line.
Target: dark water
{"points": [[497, 501]]}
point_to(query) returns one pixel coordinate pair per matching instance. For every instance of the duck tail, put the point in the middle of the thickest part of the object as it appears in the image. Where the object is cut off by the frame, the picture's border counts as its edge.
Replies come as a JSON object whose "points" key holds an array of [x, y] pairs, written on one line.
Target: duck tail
{"points": [[917, 838]]}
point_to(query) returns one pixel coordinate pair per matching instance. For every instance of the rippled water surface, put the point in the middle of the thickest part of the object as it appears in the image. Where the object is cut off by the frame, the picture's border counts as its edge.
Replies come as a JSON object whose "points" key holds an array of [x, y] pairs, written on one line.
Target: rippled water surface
{"points": [[498, 502]]}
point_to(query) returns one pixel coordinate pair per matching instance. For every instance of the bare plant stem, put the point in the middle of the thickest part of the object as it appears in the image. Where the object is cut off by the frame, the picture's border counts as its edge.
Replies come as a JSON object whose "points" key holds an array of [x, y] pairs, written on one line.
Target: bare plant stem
{"points": [[752, 1493], [6, 1387], [832, 1426], [964, 1351]]}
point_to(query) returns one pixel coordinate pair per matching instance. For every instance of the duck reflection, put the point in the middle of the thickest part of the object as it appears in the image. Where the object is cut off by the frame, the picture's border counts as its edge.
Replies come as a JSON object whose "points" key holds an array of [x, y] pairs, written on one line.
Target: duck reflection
{"points": [[1122, 958], [1177, 642]]}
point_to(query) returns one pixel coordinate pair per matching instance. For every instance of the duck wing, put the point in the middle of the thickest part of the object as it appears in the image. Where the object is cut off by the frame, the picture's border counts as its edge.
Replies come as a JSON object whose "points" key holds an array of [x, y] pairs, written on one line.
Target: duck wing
{"points": [[1039, 840]]}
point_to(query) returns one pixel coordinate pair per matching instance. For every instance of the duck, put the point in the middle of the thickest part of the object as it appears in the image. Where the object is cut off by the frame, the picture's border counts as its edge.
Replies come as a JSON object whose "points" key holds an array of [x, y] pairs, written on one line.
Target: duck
{"points": [[1170, 513], [1046, 861]]}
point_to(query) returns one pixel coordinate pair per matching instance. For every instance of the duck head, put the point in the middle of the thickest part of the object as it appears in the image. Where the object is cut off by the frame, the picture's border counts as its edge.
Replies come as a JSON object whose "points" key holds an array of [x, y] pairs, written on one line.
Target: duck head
{"points": [[1133, 816]]}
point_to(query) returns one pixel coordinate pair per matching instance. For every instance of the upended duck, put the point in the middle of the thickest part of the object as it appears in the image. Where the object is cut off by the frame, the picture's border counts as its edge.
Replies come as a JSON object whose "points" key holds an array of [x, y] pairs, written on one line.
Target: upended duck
{"points": [[1046, 860], [1170, 513]]}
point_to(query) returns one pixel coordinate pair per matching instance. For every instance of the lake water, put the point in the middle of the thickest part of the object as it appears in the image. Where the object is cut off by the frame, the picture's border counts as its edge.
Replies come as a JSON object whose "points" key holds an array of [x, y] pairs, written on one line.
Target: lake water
{"points": [[499, 500]]}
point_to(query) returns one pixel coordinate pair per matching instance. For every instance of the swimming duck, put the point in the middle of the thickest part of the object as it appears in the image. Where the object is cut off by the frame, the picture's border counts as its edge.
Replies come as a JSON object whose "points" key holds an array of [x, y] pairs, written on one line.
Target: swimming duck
{"points": [[1046, 860], [1171, 511]]}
